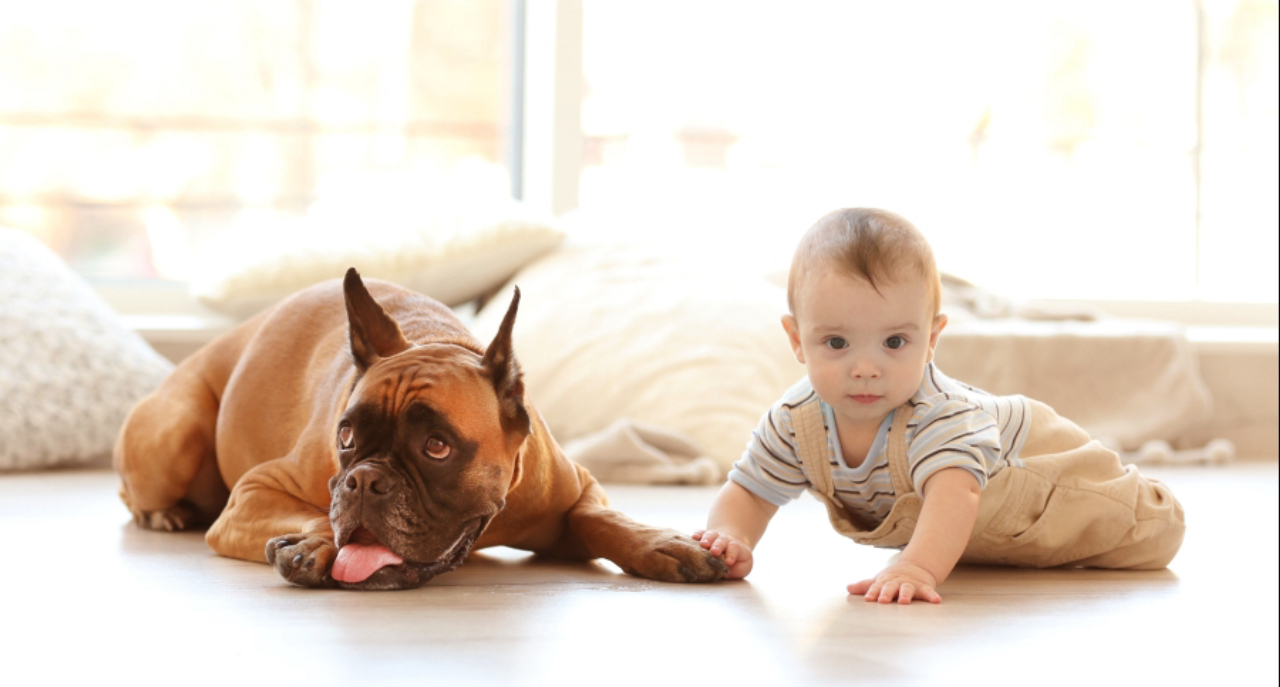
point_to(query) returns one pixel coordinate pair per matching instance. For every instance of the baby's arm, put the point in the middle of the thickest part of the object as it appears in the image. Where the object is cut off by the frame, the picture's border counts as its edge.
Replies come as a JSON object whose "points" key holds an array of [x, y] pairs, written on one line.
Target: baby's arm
{"points": [[950, 509], [737, 522]]}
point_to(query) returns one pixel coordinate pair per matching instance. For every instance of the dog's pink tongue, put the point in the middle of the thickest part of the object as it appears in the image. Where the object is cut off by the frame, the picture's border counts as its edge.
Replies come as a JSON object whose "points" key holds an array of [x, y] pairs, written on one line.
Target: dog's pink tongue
{"points": [[356, 562]]}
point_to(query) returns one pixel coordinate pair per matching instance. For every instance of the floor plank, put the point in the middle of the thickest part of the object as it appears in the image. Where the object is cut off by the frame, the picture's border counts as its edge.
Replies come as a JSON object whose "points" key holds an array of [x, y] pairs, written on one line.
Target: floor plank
{"points": [[89, 597]]}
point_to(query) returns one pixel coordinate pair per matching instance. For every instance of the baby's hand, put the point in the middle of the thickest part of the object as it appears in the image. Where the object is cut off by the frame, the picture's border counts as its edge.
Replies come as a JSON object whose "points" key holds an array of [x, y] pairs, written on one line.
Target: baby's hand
{"points": [[736, 555], [901, 581]]}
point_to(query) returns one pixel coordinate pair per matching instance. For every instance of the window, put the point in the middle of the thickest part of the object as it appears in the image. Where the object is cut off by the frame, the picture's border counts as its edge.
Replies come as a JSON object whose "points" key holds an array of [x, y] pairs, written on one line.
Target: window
{"points": [[1076, 150], [133, 132], [1116, 150]]}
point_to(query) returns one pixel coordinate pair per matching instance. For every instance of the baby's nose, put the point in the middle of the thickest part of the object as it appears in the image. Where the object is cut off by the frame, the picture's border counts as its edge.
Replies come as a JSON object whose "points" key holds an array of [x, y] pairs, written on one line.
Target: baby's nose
{"points": [[865, 368]]}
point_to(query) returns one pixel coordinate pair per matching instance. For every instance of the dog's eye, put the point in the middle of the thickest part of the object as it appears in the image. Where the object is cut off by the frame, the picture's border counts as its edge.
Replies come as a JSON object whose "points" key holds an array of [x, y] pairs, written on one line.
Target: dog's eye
{"points": [[346, 437], [436, 448]]}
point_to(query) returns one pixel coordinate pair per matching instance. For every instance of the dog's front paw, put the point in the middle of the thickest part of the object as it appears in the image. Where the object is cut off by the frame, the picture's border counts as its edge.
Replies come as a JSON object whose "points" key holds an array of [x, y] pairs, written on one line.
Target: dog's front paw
{"points": [[670, 556], [302, 559]]}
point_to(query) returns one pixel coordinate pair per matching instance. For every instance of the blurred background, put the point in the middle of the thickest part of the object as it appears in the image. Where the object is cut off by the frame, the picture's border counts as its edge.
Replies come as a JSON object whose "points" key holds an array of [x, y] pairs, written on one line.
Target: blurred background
{"points": [[1121, 150]]}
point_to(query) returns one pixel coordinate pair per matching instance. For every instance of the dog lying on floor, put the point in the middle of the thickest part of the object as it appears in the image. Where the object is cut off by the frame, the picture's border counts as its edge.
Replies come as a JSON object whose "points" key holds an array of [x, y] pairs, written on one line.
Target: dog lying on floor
{"points": [[358, 436]]}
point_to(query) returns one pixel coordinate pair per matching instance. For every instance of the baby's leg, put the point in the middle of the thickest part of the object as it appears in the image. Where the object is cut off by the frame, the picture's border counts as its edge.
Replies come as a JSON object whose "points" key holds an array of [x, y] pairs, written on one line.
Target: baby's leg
{"points": [[1156, 536], [1076, 508]]}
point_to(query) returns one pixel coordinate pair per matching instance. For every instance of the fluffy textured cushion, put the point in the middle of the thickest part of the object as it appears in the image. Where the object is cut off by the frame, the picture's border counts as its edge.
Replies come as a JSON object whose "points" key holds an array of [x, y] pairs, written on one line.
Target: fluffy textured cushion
{"points": [[611, 332], [69, 369], [453, 238]]}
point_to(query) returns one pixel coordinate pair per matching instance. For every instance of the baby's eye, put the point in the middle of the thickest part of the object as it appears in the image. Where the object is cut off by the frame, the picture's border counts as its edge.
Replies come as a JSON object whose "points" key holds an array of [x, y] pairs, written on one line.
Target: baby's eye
{"points": [[837, 343], [895, 342]]}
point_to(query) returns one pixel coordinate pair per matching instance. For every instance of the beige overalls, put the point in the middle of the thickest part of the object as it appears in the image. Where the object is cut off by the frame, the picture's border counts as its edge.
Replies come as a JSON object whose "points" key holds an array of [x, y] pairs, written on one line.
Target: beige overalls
{"points": [[1071, 503]]}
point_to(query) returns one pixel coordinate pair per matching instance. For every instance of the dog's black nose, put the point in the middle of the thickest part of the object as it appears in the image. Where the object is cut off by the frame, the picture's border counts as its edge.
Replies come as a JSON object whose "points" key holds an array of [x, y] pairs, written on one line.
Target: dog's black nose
{"points": [[369, 479]]}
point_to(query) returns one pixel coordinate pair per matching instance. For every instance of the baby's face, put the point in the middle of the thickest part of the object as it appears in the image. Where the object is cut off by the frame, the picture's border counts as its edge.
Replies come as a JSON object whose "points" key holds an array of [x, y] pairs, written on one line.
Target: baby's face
{"points": [[865, 350]]}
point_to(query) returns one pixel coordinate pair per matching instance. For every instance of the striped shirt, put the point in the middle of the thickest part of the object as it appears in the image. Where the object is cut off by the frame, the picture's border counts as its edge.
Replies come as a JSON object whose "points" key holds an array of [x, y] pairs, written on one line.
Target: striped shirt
{"points": [[952, 425]]}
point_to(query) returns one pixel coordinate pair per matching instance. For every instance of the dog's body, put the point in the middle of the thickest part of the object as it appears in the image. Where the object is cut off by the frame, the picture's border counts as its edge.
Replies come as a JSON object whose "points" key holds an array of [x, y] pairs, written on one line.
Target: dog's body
{"points": [[371, 446]]}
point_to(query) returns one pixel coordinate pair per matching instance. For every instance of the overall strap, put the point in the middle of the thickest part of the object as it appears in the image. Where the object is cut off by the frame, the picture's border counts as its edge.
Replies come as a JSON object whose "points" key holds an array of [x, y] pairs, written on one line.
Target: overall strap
{"points": [[811, 446], [812, 449], [899, 467]]}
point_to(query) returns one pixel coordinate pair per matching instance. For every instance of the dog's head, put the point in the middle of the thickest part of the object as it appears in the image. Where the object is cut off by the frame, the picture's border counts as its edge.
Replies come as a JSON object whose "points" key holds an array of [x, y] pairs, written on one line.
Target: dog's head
{"points": [[428, 448]]}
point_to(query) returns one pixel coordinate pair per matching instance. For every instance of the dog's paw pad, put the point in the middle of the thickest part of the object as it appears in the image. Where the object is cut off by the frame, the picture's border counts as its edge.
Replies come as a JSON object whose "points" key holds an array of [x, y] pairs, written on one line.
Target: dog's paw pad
{"points": [[173, 519], [678, 559], [302, 560]]}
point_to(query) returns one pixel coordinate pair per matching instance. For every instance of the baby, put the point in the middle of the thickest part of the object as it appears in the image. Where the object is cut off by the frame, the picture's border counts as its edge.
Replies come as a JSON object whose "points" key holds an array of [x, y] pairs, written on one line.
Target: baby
{"points": [[904, 456]]}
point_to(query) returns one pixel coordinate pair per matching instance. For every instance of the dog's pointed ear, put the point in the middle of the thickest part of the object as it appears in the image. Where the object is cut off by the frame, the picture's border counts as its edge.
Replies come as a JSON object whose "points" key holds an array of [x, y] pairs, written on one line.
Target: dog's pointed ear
{"points": [[372, 332], [501, 367]]}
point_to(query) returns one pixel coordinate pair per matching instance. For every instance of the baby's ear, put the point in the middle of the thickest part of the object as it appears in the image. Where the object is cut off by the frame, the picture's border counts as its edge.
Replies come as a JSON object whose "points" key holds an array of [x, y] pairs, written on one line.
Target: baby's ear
{"points": [[939, 323], [793, 335]]}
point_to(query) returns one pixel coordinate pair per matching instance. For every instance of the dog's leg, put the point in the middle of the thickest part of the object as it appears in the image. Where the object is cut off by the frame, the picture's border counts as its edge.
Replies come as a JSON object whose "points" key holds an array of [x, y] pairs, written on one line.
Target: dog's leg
{"points": [[271, 519], [593, 530], [165, 456]]}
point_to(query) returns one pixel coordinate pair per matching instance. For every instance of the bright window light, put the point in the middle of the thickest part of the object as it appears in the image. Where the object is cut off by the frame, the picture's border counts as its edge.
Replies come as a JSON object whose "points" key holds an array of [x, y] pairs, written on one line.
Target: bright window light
{"points": [[1113, 150], [134, 133]]}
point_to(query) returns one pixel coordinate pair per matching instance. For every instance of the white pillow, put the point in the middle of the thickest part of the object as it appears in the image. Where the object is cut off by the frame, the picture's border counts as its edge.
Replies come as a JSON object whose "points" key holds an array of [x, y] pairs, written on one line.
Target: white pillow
{"points": [[611, 332], [69, 369], [454, 238]]}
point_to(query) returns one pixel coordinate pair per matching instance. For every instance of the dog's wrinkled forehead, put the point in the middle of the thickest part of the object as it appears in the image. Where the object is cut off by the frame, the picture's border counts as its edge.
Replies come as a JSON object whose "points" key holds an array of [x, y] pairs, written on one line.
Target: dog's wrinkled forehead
{"points": [[442, 376]]}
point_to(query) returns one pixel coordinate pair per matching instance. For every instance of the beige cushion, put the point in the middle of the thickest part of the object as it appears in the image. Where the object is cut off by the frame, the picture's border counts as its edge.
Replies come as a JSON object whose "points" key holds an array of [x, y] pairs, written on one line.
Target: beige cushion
{"points": [[612, 332], [446, 240]]}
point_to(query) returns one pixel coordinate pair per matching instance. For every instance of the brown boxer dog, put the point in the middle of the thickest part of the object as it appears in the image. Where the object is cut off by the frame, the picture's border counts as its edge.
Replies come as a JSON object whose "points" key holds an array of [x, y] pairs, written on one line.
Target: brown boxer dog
{"points": [[360, 437]]}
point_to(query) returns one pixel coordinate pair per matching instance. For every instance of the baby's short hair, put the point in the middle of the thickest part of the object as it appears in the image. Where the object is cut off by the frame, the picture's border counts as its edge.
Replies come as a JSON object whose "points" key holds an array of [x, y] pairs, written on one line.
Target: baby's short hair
{"points": [[865, 243]]}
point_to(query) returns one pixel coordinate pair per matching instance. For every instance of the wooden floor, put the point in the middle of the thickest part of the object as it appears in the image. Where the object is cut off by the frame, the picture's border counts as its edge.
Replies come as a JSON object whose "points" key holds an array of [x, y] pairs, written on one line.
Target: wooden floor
{"points": [[88, 597]]}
